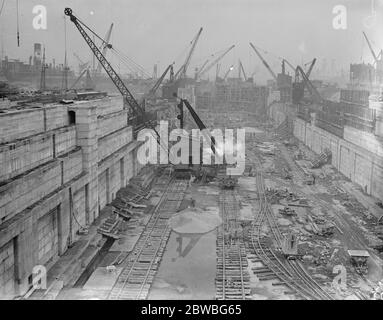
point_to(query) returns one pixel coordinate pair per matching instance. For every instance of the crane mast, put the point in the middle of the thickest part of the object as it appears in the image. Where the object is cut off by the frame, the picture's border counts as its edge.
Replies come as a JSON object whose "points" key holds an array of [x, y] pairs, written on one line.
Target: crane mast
{"points": [[264, 62], [214, 62], [181, 73]]}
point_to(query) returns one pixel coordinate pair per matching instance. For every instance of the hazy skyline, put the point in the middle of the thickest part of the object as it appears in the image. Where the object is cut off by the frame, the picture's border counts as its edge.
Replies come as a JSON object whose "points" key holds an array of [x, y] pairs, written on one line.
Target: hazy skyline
{"points": [[152, 31]]}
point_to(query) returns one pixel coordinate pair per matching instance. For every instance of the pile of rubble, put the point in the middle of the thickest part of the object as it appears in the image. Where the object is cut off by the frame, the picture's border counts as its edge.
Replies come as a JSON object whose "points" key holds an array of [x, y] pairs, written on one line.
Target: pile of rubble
{"points": [[322, 159], [130, 201]]}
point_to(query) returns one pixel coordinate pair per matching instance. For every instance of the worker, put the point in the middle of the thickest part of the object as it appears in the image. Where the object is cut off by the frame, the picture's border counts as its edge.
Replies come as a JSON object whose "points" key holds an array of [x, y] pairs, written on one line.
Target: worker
{"points": [[191, 180], [192, 202], [313, 178]]}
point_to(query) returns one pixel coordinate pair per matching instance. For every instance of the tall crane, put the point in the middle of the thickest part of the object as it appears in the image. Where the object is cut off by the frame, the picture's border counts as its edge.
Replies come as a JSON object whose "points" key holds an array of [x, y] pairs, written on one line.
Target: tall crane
{"points": [[264, 62], [181, 73], [371, 49], [227, 72], [137, 115], [82, 65], [227, 181], [217, 71], [214, 62], [241, 69], [154, 89], [197, 70], [288, 63], [312, 63], [105, 46], [310, 87]]}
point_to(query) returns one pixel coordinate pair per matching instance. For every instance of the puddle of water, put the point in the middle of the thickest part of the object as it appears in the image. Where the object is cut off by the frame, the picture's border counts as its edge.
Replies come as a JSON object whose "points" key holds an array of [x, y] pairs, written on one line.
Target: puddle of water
{"points": [[188, 269]]}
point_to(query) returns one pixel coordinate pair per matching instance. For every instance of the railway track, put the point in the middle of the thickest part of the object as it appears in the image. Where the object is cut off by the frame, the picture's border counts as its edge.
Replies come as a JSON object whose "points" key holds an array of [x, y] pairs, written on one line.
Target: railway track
{"points": [[232, 278], [135, 280], [289, 272]]}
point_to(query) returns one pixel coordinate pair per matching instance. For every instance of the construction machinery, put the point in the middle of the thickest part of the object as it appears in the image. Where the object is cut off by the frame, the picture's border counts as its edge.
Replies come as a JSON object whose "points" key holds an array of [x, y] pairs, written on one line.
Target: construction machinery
{"points": [[82, 65], [359, 260], [241, 70], [152, 92], [89, 85], [204, 71], [302, 82], [376, 60], [216, 170], [264, 62], [311, 63], [181, 73], [137, 116], [227, 72], [179, 80]]}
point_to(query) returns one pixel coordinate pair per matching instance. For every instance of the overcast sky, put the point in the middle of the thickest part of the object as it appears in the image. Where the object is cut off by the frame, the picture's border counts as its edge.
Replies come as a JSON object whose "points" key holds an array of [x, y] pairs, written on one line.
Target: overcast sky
{"points": [[160, 31]]}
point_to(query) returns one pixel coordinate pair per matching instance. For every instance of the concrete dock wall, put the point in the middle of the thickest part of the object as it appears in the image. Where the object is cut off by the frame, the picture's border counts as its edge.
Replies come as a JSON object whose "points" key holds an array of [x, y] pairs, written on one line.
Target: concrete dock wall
{"points": [[357, 163], [59, 166]]}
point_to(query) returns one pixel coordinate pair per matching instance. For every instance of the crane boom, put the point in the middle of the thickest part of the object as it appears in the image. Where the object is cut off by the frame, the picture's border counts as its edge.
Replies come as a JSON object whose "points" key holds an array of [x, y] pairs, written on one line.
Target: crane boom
{"points": [[369, 45], [198, 70], [153, 90], [181, 73], [311, 68], [289, 64], [214, 62], [82, 65], [78, 79], [241, 68], [264, 62], [313, 91], [227, 72], [201, 126], [105, 46]]}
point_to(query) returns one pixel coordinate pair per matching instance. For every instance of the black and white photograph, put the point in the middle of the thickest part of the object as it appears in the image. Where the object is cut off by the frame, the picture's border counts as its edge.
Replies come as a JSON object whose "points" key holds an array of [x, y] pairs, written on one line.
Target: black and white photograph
{"points": [[228, 152]]}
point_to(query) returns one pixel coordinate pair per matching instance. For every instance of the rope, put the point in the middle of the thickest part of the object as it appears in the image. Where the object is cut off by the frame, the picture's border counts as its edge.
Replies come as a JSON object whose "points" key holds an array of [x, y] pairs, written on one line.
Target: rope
{"points": [[2, 7]]}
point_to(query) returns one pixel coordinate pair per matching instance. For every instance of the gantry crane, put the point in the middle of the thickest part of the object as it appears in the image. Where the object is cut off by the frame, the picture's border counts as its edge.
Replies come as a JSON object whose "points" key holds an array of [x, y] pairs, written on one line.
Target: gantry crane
{"points": [[264, 62], [288, 63], [181, 73], [213, 63]]}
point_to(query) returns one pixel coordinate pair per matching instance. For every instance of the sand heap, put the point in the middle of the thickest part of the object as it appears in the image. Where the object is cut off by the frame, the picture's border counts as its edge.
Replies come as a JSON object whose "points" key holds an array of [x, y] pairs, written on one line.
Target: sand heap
{"points": [[195, 220]]}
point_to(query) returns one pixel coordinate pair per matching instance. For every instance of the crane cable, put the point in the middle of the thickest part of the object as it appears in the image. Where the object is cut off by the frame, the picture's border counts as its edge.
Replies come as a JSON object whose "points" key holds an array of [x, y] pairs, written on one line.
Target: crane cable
{"points": [[125, 59], [18, 24], [2, 7]]}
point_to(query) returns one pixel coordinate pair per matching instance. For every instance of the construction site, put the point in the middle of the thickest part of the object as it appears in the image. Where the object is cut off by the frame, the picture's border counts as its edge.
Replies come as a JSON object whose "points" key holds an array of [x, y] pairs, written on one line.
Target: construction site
{"points": [[84, 217]]}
